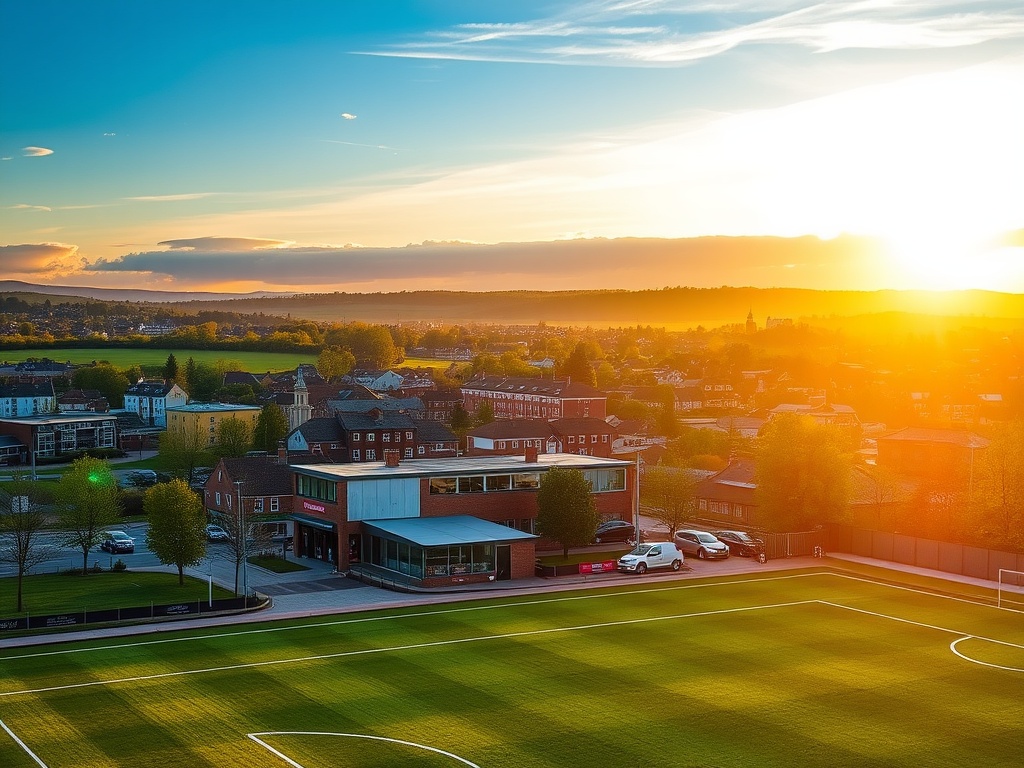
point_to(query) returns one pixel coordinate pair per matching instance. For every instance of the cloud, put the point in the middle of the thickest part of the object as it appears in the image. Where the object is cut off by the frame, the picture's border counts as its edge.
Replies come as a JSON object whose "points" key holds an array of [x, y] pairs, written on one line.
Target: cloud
{"points": [[223, 244], [36, 151], [6, 158], [348, 115], [26, 207], [356, 144], [596, 263], [110, 134], [171, 198], [39, 258], [601, 33]]}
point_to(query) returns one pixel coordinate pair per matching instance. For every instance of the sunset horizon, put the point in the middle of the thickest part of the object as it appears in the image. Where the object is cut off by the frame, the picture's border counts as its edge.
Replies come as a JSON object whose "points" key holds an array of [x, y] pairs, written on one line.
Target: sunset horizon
{"points": [[582, 145]]}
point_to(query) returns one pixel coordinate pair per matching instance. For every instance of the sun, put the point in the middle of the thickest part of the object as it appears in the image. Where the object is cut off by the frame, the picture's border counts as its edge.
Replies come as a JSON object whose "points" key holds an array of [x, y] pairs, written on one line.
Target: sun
{"points": [[944, 258]]}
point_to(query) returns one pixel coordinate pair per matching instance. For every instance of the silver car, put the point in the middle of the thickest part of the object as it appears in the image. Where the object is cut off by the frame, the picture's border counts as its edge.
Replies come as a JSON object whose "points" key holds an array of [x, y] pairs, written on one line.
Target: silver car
{"points": [[701, 544]]}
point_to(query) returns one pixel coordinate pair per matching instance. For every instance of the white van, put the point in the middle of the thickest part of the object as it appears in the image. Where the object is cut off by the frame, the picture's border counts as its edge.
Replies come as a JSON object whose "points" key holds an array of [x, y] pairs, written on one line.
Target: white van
{"points": [[654, 554]]}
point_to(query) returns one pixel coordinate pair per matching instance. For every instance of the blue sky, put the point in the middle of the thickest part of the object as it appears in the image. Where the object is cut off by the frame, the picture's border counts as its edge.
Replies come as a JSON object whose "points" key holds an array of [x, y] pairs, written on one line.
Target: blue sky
{"points": [[319, 145]]}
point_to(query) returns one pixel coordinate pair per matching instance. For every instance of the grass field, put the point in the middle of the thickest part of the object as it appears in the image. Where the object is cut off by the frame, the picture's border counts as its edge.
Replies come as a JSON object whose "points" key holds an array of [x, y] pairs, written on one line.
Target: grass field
{"points": [[254, 362], [805, 668], [57, 593]]}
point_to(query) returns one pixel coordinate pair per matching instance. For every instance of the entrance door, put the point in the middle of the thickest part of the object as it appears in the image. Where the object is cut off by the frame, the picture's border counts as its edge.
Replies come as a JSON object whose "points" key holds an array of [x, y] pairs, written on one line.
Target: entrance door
{"points": [[503, 562]]}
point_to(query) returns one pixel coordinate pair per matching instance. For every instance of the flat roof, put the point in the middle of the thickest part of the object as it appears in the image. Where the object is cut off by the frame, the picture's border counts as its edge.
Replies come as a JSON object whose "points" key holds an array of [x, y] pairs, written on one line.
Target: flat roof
{"points": [[211, 408], [450, 467], [58, 418], [446, 531]]}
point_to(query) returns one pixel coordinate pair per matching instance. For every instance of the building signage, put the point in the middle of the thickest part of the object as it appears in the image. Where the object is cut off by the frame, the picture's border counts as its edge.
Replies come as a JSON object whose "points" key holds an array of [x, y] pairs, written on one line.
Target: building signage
{"points": [[606, 565], [313, 507]]}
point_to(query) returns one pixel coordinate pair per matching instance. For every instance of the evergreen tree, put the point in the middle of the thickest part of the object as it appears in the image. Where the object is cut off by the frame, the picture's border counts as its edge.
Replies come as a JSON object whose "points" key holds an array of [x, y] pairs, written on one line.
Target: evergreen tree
{"points": [[271, 427], [171, 368]]}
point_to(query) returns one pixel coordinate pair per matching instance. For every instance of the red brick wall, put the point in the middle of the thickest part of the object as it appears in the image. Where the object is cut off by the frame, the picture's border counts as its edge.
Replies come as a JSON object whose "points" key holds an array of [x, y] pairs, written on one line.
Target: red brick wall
{"points": [[523, 557]]}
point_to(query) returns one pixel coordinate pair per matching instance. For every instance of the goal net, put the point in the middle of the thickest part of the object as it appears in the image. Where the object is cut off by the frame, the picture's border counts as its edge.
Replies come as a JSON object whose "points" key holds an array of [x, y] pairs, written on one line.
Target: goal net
{"points": [[1011, 590]]}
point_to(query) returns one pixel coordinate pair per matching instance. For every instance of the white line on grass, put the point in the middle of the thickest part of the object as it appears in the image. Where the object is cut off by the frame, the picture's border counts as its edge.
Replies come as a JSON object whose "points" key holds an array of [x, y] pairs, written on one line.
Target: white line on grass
{"points": [[23, 745], [390, 617], [415, 646], [953, 648], [254, 737], [963, 635]]}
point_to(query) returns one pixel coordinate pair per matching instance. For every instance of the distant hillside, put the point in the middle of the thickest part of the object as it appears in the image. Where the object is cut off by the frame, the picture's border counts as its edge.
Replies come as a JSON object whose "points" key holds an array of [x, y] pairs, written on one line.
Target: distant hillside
{"points": [[669, 307], [673, 307], [121, 294]]}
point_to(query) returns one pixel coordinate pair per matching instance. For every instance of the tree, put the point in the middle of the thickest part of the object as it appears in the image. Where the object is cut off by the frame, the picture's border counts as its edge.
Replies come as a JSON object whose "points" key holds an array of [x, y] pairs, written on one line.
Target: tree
{"points": [[484, 413], [246, 534], [667, 494], [566, 512], [234, 438], [271, 427], [177, 525], [22, 522], [577, 366], [335, 362], [110, 381], [181, 451], [999, 485], [171, 368], [87, 501], [802, 474]]}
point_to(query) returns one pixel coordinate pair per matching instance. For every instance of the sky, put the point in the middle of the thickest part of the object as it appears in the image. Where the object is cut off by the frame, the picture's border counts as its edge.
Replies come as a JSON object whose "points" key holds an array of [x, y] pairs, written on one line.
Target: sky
{"points": [[380, 146]]}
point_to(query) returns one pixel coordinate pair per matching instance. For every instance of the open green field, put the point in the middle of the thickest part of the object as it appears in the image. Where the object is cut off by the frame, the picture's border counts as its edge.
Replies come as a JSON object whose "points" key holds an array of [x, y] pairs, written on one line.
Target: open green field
{"points": [[57, 593], [811, 668], [253, 362]]}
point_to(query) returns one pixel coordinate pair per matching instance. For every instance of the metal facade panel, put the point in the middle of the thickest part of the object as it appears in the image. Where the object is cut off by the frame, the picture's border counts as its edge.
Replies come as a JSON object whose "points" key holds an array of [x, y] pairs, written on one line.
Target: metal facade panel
{"points": [[393, 497]]}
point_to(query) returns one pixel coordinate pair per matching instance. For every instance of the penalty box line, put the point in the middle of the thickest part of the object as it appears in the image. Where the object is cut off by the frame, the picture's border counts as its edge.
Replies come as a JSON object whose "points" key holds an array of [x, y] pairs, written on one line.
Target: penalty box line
{"points": [[388, 649], [400, 616], [23, 745]]}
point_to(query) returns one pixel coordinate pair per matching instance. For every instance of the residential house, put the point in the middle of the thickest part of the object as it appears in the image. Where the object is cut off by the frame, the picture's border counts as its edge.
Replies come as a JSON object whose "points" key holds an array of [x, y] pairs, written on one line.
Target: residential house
{"points": [[261, 487], [152, 399], [205, 418], [27, 399], [918, 451], [585, 436], [91, 400]]}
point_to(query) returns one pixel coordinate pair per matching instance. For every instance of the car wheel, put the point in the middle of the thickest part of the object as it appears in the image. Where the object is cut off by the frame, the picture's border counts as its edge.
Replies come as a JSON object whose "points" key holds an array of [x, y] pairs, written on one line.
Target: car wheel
{"points": [[676, 565], [641, 568], [701, 554]]}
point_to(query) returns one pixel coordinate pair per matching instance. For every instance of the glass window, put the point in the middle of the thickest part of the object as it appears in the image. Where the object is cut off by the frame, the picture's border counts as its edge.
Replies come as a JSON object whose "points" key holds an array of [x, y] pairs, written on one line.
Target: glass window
{"points": [[436, 561], [408, 435], [257, 505], [371, 455], [275, 504], [371, 436], [474, 484], [386, 437], [442, 485], [526, 480], [355, 455], [355, 437], [392, 555], [421, 450], [408, 453], [499, 482]]}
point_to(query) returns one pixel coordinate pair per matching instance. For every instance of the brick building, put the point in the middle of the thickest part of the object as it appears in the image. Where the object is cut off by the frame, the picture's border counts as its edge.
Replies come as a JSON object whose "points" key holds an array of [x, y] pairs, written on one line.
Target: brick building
{"points": [[521, 398], [440, 521]]}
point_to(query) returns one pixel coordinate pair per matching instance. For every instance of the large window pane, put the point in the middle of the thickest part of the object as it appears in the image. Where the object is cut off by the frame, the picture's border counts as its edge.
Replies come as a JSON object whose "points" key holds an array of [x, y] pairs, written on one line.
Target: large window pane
{"points": [[499, 482], [526, 480], [442, 485]]}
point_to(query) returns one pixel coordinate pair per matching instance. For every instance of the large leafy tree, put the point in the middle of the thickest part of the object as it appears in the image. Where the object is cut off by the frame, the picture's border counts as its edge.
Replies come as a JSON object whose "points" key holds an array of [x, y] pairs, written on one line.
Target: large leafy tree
{"points": [[802, 474], [566, 512], [998, 485], [578, 367], [22, 523], [335, 362], [234, 437], [177, 525], [181, 451], [667, 496], [110, 381], [87, 501], [271, 427]]}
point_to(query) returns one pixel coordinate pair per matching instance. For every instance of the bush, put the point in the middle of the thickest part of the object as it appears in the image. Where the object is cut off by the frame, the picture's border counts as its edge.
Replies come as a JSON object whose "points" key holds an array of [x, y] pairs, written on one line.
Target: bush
{"points": [[119, 566]]}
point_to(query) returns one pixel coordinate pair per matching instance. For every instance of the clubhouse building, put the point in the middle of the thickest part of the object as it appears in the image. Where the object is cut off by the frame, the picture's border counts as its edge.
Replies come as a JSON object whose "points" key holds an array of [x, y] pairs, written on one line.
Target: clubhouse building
{"points": [[439, 522]]}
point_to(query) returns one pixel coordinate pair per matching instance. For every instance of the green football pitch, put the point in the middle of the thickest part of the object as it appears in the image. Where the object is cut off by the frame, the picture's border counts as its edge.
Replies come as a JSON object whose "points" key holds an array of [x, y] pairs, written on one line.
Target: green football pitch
{"points": [[809, 668]]}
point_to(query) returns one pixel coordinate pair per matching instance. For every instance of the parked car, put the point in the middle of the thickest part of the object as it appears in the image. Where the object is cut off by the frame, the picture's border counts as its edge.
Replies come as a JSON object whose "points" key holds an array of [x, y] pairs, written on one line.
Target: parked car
{"points": [[116, 542], [656, 554], [614, 530], [701, 544], [216, 533], [741, 543]]}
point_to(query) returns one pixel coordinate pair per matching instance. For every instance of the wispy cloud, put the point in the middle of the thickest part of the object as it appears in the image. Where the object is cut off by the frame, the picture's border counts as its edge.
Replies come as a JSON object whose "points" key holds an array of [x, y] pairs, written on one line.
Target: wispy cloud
{"points": [[223, 244], [36, 151], [602, 33], [27, 207], [110, 134], [171, 198], [357, 144], [348, 116]]}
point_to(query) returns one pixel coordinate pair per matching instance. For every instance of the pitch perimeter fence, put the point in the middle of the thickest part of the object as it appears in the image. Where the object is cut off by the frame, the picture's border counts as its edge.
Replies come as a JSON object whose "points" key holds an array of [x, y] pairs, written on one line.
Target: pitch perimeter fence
{"points": [[960, 559], [133, 614]]}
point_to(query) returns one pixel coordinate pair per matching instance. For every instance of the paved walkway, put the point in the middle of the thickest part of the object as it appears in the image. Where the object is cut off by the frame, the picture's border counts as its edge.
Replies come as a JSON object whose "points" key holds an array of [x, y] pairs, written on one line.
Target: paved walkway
{"points": [[321, 591]]}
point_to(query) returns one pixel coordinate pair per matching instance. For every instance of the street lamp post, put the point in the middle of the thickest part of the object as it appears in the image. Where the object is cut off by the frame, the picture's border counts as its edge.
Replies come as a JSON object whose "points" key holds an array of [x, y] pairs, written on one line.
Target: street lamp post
{"points": [[243, 535]]}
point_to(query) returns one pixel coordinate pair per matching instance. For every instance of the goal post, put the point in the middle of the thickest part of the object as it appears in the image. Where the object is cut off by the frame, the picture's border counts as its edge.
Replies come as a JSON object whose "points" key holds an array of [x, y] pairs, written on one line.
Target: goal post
{"points": [[1010, 593]]}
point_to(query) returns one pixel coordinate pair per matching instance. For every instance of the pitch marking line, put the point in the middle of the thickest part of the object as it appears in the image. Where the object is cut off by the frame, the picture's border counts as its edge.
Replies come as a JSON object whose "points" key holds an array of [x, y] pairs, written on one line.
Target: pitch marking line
{"points": [[23, 745], [255, 737], [953, 648], [393, 617], [415, 646], [947, 630]]}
